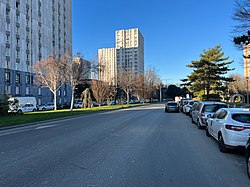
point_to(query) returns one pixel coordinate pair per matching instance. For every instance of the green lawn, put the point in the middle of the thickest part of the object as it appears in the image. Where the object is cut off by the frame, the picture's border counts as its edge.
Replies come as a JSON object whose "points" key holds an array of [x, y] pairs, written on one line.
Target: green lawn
{"points": [[30, 117]]}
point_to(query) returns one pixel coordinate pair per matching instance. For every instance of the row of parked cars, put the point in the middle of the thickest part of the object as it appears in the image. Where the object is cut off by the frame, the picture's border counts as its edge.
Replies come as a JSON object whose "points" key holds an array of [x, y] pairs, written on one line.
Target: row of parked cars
{"points": [[230, 127]]}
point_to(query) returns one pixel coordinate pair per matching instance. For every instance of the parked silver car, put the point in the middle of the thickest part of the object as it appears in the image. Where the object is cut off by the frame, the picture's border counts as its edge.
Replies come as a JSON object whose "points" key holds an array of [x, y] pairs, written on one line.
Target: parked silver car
{"points": [[204, 108]]}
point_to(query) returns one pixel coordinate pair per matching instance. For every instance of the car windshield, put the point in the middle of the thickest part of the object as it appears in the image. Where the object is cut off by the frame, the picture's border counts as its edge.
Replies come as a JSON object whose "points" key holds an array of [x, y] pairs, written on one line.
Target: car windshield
{"points": [[213, 107], [243, 118], [172, 104]]}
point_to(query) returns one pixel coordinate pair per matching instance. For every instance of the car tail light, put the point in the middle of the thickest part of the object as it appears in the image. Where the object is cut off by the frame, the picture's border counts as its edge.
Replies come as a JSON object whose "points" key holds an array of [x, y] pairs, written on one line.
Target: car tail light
{"points": [[236, 128], [202, 114]]}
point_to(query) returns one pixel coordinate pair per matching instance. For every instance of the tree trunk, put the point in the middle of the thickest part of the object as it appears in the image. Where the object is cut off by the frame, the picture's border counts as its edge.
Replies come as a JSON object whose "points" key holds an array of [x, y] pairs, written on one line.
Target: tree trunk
{"points": [[55, 101], [72, 98], [128, 97]]}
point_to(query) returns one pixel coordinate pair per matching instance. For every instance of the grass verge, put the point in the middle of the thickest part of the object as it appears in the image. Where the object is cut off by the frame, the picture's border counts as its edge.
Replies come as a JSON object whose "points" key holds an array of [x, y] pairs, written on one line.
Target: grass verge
{"points": [[31, 117]]}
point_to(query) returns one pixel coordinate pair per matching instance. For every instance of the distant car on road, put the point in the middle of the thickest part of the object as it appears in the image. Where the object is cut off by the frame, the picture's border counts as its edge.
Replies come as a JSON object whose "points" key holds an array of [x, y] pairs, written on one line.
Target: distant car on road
{"points": [[78, 105], [171, 106], [230, 127], [204, 108]]}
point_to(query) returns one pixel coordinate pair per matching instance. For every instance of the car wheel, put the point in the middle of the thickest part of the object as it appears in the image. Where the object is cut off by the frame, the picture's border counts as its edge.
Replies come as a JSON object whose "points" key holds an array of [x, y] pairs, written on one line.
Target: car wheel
{"points": [[19, 112], [43, 109], [248, 165], [207, 132], [199, 125], [192, 120], [221, 143], [34, 110]]}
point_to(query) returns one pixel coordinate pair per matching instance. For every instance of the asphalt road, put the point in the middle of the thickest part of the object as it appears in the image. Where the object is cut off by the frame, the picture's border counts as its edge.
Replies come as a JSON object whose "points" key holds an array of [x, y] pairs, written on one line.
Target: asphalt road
{"points": [[141, 146]]}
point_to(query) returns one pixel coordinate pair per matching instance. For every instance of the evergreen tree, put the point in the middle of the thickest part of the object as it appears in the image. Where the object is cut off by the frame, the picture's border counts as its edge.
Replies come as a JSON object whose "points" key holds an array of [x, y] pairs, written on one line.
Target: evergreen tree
{"points": [[209, 72]]}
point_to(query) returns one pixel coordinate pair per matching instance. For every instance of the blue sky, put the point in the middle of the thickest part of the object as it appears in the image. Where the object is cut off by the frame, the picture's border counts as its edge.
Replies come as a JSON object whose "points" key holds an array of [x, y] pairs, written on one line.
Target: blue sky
{"points": [[175, 31]]}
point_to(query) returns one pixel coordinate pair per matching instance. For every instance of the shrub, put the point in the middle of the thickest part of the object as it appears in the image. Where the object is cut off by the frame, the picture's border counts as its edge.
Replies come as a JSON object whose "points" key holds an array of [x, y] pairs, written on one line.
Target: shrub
{"points": [[4, 104]]}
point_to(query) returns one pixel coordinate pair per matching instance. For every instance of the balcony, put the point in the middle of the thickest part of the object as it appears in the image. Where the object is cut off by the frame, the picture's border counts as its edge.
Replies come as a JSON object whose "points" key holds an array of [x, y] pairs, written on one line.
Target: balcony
{"points": [[7, 6], [28, 29], [18, 60], [18, 24], [17, 12], [17, 47], [17, 36], [7, 19], [7, 45], [7, 57]]}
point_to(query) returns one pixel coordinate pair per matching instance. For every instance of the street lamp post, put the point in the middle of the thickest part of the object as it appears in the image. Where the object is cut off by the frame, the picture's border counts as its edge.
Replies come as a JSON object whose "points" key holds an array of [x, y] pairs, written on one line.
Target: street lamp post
{"points": [[247, 78]]}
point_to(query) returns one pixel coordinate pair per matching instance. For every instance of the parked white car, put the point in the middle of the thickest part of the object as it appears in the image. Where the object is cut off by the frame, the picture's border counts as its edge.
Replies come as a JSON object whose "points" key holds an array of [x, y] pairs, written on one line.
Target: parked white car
{"points": [[26, 108], [230, 127], [187, 107], [49, 106]]}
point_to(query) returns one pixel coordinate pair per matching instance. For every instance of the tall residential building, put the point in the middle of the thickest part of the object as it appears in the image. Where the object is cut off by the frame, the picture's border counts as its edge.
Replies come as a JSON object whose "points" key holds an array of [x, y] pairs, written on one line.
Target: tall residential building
{"points": [[30, 31], [130, 50], [107, 65], [128, 54]]}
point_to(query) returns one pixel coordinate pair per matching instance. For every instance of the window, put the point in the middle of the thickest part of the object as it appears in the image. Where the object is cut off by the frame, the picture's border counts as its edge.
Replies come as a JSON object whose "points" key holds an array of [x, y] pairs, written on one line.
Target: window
{"points": [[7, 89], [27, 79], [7, 77], [7, 64], [39, 91], [17, 90], [18, 78], [243, 118], [27, 91], [7, 38], [8, 26], [7, 51]]}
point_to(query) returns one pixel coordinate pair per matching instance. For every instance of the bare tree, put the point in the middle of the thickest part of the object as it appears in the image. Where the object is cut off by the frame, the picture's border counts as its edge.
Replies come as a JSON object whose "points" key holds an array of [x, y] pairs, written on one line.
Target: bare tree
{"points": [[152, 82], [52, 74], [125, 80], [139, 86], [242, 16], [100, 90], [78, 69], [239, 84]]}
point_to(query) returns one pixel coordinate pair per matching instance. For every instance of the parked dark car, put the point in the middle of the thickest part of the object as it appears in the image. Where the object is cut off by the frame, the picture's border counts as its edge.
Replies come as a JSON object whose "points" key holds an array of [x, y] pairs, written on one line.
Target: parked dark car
{"points": [[171, 106], [248, 157], [65, 105]]}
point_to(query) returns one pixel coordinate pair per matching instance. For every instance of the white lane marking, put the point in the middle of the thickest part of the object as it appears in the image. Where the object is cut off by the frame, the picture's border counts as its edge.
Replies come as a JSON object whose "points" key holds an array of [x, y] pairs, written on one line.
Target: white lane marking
{"points": [[46, 126], [8, 133]]}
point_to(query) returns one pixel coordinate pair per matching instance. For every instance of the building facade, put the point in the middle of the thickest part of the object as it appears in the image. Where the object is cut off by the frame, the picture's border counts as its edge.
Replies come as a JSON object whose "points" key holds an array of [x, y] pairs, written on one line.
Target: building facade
{"points": [[130, 50], [30, 31], [128, 54], [107, 65]]}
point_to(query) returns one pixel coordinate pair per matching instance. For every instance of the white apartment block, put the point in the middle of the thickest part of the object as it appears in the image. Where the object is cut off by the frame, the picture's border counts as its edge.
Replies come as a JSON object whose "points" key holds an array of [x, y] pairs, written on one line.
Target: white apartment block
{"points": [[128, 54], [107, 65], [30, 31]]}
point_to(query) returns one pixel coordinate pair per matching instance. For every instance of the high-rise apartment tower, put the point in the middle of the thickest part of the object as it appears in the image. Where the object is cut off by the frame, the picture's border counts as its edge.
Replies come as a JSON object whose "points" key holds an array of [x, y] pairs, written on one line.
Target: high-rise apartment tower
{"points": [[30, 31], [128, 54]]}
